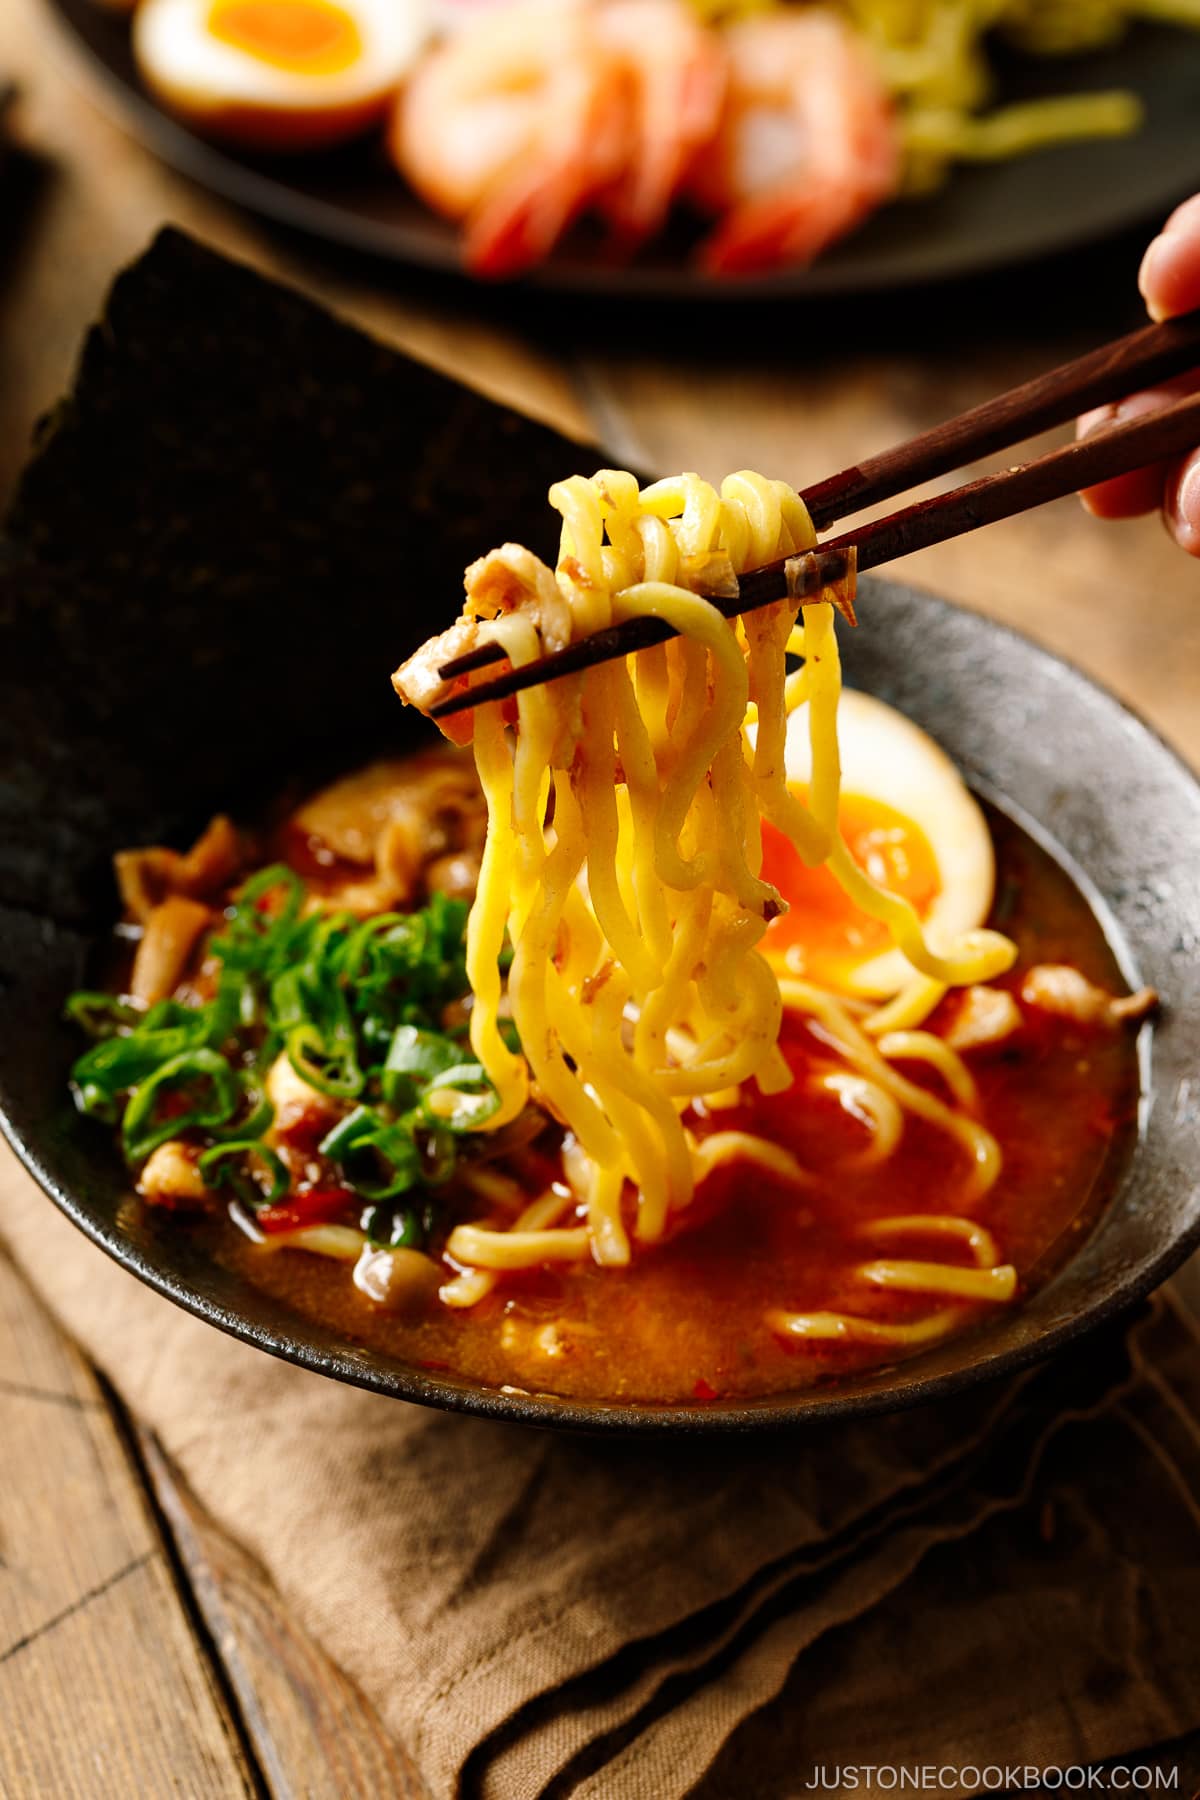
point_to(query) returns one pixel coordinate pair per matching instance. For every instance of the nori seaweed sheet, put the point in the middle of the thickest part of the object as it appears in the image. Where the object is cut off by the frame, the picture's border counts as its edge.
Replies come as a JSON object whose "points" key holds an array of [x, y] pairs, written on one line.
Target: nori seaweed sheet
{"points": [[242, 518]]}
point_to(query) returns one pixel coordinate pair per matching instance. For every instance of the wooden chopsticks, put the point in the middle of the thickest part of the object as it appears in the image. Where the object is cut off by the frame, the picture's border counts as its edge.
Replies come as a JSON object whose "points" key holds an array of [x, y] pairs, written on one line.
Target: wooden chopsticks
{"points": [[1145, 357], [1150, 355]]}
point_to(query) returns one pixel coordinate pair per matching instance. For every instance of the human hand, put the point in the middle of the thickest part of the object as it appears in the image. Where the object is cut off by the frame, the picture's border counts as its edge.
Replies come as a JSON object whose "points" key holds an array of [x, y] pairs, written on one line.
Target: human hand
{"points": [[1170, 283]]}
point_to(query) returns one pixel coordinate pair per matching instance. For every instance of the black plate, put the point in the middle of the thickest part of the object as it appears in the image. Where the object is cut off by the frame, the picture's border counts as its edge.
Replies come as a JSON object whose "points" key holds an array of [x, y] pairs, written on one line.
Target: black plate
{"points": [[985, 218], [203, 600]]}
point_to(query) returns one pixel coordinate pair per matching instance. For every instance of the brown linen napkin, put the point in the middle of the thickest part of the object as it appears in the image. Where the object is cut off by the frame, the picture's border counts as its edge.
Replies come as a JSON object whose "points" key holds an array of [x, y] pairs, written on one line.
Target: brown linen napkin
{"points": [[1061, 1633], [531, 1613]]}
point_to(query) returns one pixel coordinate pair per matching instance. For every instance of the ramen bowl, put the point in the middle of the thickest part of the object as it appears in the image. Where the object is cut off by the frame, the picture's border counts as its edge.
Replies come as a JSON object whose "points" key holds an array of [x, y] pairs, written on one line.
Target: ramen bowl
{"points": [[177, 653]]}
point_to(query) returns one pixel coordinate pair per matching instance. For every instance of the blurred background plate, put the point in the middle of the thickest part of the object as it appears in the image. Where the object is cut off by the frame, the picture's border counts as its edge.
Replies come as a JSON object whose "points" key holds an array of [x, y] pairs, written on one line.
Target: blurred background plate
{"points": [[987, 217]]}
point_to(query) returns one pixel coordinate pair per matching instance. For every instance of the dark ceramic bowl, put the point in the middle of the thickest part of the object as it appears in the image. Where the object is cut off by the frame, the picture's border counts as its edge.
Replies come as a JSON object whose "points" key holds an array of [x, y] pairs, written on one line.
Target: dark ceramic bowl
{"points": [[176, 651]]}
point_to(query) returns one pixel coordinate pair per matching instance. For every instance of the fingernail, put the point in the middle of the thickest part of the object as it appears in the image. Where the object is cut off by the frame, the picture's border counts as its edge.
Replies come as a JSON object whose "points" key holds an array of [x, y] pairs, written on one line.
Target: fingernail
{"points": [[1183, 509], [1091, 421], [1185, 217], [1152, 263]]}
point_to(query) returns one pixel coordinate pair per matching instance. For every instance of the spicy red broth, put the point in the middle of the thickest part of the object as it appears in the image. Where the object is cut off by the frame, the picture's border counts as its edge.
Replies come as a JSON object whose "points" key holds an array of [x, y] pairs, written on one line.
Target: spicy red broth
{"points": [[688, 1318]]}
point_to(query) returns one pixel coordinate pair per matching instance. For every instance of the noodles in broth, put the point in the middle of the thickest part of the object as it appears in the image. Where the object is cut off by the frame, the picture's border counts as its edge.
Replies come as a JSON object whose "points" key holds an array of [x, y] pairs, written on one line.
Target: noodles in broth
{"points": [[623, 864], [551, 1050]]}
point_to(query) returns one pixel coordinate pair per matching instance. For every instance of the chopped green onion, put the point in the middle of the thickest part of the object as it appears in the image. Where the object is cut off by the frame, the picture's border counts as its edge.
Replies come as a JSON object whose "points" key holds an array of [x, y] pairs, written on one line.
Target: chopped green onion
{"points": [[387, 1149], [143, 1132], [233, 1165], [167, 1015], [360, 950], [102, 1015], [346, 1133], [397, 1227], [257, 1119], [468, 1099], [308, 1007], [439, 1154], [317, 1063], [252, 920], [117, 1064], [414, 1057], [356, 1005], [392, 1146], [96, 1101]]}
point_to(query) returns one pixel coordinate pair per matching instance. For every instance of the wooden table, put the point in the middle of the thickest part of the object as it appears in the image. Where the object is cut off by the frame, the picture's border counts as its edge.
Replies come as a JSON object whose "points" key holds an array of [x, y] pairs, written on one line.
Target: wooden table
{"points": [[119, 1598]]}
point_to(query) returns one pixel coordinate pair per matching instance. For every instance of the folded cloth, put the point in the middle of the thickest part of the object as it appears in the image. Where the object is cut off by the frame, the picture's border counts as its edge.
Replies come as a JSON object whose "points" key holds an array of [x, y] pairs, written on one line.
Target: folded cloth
{"points": [[1011, 1574]]}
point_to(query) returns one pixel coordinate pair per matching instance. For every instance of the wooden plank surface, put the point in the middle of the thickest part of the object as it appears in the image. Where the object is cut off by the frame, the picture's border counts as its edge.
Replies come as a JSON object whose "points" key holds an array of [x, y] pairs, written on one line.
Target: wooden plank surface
{"points": [[312, 1732], [104, 1690], [141, 1652]]}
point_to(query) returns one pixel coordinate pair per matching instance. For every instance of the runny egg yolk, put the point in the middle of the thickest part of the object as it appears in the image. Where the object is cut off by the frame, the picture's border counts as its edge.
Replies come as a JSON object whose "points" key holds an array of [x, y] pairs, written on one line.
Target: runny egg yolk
{"points": [[824, 936], [306, 37]]}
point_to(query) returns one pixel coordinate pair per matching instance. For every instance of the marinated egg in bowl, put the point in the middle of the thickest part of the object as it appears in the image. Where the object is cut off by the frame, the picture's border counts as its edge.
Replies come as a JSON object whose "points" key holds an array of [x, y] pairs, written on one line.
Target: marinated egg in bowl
{"points": [[910, 821]]}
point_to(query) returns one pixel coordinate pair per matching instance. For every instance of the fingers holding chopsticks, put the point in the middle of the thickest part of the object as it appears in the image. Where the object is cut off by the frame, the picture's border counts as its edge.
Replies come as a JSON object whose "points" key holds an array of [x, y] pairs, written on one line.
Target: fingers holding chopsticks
{"points": [[1170, 274], [1170, 284]]}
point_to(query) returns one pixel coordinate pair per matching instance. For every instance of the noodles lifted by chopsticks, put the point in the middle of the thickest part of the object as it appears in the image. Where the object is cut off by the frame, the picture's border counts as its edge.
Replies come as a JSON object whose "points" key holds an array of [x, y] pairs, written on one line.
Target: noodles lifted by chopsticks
{"points": [[622, 866]]}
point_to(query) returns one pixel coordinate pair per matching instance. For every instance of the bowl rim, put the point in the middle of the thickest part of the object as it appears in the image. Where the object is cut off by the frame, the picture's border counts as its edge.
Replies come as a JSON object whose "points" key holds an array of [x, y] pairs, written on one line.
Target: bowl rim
{"points": [[771, 1413]]}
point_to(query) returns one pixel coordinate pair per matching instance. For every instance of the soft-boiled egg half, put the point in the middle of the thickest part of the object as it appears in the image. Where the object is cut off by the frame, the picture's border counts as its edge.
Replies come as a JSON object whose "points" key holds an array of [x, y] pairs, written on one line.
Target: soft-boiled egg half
{"points": [[278, 74], [909, 821]]}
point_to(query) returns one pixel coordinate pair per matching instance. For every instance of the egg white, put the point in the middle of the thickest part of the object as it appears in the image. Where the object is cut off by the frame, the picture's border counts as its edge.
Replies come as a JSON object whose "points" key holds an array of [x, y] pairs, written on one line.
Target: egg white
{"points": [[227, 90], [886, 757]]}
